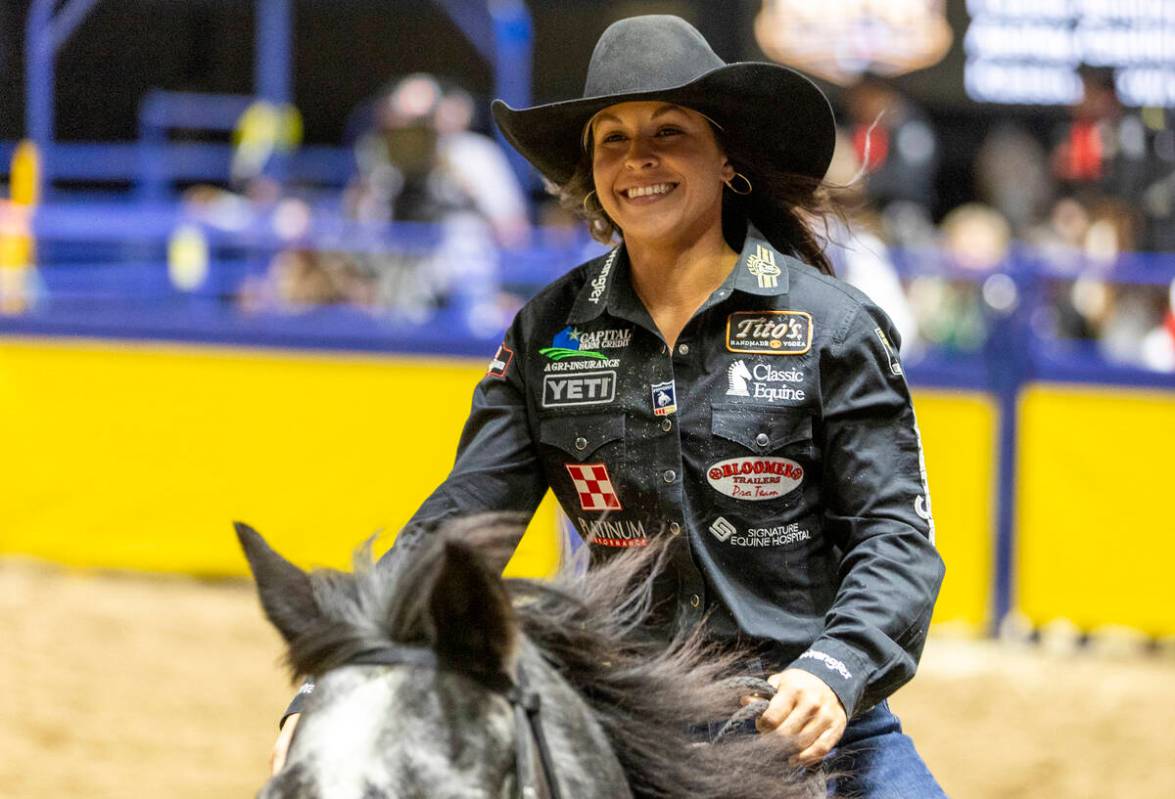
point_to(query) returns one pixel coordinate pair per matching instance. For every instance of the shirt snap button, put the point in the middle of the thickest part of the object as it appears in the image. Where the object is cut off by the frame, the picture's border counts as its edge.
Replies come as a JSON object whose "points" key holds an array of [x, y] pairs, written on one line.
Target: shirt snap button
{"points": [[669, 475], [683, 349], [762, 439], [695, 600], [580, 443], [666, 425], [674, 528]]}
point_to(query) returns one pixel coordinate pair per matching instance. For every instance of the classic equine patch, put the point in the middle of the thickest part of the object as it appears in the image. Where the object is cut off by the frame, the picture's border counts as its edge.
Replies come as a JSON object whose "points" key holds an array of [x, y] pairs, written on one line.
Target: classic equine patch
{"points": [[500, 364], [594, 486], [755, 478], [582, 388], [761, 381], [769, 332]]}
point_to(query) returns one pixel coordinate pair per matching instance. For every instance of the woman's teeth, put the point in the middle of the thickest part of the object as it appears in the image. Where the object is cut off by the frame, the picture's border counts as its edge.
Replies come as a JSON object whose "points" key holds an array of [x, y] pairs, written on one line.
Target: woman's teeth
{"points": [[645, 191]]}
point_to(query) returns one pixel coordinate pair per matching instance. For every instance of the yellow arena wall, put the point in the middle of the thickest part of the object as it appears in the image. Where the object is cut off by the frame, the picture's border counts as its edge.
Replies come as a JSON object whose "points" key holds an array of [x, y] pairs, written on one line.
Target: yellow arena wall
{"points": [[1095, 534], [138, 456], [959, 438], [134, 456]]}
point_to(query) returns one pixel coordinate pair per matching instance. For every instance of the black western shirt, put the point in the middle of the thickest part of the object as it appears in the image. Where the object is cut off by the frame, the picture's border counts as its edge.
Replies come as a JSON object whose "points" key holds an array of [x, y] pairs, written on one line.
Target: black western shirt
{"points": [[775, 444]]}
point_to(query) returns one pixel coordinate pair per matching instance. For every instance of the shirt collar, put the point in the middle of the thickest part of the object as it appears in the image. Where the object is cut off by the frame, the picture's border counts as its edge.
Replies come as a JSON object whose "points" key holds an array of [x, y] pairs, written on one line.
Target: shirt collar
{"points": [[597, 292], [761, 270]]}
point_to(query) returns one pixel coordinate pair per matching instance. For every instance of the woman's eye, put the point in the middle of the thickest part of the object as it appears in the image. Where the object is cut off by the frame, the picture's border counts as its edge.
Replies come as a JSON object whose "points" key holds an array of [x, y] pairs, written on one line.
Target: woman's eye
{"points": [[611, 137], [668, 131]]}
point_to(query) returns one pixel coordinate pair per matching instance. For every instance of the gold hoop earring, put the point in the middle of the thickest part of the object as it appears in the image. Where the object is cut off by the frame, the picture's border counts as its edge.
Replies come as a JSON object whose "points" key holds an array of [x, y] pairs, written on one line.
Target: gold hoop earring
{"points": [[730, 184], [587, 210]]}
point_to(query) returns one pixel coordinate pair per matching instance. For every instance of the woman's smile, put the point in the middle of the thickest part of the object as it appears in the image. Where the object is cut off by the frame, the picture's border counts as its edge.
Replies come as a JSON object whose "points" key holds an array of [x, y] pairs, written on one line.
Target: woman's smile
{"points": [[646, 194]]}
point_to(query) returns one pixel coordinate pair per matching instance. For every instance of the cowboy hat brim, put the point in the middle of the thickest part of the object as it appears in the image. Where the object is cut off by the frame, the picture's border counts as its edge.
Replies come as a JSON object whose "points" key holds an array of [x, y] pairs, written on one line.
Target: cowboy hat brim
{"points": [[773, 113]]}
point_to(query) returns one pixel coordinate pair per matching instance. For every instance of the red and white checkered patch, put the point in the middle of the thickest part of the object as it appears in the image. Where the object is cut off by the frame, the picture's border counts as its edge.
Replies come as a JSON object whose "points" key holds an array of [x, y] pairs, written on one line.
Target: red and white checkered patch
{"points": [[594, 486]]}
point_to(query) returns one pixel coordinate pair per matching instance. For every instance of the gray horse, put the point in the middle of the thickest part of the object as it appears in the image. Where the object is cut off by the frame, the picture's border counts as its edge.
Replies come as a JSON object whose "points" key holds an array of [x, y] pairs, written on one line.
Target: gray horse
{"points": [[436, 678]]}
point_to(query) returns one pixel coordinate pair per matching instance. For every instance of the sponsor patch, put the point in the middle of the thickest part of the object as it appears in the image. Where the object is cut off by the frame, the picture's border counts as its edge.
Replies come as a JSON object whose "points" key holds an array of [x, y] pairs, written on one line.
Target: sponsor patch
{"points": [[769, 332], [664, 399], [760, 381], [613, 532], [755, 478], [581, 388], [895, 366], [600, 283], [778, 536], [722, 529], [594, 486], [571, 342], [762, 265], [500, 363]]}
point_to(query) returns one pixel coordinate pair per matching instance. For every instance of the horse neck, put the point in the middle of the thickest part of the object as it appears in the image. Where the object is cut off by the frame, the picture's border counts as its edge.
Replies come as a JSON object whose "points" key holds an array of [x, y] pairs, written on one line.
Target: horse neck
{"points": [[581, 753]]}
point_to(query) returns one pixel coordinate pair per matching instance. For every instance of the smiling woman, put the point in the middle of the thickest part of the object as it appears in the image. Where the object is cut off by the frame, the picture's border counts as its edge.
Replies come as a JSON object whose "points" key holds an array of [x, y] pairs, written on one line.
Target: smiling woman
{"points": [[710, 385]]}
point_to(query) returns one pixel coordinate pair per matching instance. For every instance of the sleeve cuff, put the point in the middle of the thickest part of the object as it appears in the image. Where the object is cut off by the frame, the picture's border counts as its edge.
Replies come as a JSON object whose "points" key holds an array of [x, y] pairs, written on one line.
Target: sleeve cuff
{"points": [[837, 666]]}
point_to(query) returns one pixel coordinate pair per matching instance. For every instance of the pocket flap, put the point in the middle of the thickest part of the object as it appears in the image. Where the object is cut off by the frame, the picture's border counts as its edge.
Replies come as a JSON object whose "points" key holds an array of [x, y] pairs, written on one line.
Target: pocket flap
{"points": [[580, 435], [761, 429]]}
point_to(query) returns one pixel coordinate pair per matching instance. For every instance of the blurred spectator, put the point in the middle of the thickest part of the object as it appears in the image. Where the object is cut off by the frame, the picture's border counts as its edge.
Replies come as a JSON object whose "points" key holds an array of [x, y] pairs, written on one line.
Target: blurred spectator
{"points": [[1012, 177], [421, 163], [899, 148], [976, 239], [857, 250], [1103, 149]]}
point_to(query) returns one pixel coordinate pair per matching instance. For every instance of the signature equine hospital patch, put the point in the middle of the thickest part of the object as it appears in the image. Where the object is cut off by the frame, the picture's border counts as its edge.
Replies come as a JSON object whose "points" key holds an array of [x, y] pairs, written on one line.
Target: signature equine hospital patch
{"points": [[580, 388], [778, 536], [755, 478], [594, 486], [769, 332]]}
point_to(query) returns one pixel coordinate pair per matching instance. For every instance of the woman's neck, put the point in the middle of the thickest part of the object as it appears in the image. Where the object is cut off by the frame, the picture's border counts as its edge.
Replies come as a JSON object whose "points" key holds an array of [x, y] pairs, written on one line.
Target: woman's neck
{"points": [[673, 280]]}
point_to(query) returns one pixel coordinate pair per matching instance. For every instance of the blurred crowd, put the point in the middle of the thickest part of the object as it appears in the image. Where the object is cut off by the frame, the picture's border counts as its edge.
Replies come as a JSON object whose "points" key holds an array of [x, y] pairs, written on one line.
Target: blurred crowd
{"points": [[1063, 224]]}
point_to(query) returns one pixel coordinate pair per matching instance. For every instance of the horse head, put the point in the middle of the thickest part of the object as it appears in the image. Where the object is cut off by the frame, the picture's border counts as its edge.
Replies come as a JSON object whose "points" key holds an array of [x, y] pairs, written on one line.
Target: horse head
{"points": [[436, 678], [416, 663]]}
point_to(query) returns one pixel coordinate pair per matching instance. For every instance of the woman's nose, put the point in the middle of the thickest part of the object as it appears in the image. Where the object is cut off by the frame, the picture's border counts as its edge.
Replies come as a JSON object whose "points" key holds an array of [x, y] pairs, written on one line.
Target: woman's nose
{"points": [[640, 154]]}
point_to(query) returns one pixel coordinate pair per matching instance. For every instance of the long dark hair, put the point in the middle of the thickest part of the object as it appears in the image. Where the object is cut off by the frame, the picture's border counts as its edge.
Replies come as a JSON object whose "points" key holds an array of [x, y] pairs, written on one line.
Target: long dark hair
{"points": [[786, 208]]}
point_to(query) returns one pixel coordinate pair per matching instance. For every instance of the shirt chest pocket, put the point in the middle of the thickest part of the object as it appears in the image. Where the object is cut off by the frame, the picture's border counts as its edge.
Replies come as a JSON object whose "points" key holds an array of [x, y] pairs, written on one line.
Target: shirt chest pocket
{"points": [[761, 455], [583, 436]]}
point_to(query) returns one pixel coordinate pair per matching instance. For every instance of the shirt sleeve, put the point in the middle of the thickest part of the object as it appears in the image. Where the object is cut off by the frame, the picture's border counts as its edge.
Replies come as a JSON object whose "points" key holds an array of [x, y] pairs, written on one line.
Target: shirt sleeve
{"points": [[497, 467], [877, 507]]}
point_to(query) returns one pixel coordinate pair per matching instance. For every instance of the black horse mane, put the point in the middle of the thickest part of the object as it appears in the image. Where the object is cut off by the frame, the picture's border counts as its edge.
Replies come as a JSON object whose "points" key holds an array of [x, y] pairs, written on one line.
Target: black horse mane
{"points": [[591, 626]]}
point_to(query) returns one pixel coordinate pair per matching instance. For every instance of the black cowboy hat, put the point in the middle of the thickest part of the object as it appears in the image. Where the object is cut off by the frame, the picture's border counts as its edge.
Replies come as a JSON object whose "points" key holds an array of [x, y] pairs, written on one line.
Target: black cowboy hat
{"points": [[771, 111]]}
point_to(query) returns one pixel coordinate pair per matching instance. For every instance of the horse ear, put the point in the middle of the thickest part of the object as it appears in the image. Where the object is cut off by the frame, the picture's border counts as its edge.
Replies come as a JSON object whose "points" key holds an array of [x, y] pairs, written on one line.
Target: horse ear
{"points": [[286, 594], [472, 619]]}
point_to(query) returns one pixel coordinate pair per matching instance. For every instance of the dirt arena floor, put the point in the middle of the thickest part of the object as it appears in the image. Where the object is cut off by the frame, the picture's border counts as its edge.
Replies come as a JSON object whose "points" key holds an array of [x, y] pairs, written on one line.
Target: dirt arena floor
{"points": [[126, 686]]}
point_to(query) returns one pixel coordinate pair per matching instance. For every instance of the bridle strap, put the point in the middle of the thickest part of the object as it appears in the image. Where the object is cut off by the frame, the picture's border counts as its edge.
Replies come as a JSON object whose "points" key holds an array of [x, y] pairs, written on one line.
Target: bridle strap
{"points": [[535, 780]]}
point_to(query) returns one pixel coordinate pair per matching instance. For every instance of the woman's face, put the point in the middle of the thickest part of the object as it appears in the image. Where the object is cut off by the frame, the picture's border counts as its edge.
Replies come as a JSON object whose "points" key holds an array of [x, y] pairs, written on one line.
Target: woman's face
{"points": [[658, 171]]}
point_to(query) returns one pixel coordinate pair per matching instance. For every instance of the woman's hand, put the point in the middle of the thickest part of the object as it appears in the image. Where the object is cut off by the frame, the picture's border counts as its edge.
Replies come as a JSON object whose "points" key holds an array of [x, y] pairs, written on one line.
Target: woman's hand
{"points": [[281, 747], [805, 710]]}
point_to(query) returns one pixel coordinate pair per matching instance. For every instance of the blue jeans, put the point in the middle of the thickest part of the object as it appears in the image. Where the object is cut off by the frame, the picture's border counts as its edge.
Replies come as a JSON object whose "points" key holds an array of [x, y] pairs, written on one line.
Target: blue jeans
{"points": [[878, 761]]}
